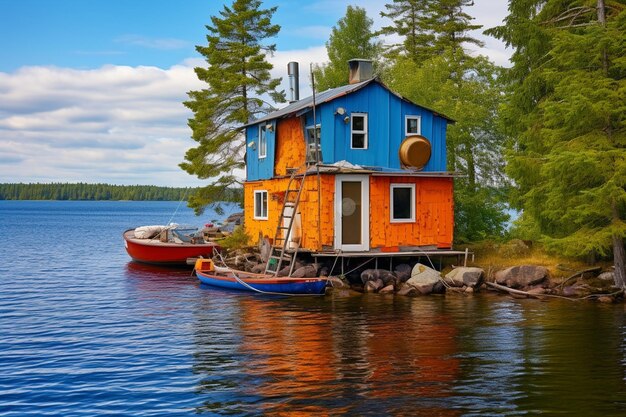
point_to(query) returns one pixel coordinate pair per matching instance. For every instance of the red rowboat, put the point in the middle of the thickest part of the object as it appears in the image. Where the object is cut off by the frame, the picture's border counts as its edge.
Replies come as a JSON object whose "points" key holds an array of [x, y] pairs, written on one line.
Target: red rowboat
{"points": [[160, 251]]}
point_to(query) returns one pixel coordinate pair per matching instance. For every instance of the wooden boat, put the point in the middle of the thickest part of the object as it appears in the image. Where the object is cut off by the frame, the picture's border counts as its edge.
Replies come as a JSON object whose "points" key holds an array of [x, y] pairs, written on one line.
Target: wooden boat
{"points": [[228, 278], [165, 248]]}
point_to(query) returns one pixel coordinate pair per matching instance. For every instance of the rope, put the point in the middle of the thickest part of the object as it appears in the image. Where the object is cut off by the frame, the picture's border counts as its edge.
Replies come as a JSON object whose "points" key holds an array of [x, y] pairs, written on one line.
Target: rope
{"points": [[177, 207]]}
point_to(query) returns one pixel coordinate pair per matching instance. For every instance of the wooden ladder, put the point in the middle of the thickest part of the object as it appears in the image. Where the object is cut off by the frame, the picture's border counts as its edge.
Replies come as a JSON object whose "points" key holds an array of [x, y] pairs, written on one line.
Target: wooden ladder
{"points": [[278, 255]]}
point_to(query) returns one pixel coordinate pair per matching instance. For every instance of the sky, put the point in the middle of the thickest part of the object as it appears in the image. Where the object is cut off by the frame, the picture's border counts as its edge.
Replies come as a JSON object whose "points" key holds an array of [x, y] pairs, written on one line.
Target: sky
{"points": [[92, 90]]}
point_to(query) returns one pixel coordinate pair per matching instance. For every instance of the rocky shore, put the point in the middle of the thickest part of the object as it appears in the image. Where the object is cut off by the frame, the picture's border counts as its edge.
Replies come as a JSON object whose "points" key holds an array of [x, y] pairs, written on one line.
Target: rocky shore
{"points": [[418, 279]]}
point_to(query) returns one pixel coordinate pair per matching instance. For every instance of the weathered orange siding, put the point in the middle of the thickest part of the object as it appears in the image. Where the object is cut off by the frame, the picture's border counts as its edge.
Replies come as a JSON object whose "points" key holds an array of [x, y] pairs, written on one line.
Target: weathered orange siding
{"points": [[434, 218], [290, 145], [308, 210]]}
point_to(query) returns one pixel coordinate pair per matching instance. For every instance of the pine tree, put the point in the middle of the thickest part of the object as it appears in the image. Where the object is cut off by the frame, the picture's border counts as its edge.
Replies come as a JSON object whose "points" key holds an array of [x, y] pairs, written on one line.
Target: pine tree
{"points": [[351, 38], [568, 89], [466, 88], [411, 21], [239, 86]]}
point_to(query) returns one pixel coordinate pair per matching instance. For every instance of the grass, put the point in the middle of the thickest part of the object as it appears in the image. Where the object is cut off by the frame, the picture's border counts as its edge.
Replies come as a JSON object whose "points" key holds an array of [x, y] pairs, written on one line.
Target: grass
{"points": [[493, 257]]}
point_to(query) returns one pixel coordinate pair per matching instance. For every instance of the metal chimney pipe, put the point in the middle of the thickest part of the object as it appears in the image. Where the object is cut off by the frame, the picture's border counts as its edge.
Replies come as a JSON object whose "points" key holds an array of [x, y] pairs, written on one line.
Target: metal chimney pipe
{"points": [[294, 81]]}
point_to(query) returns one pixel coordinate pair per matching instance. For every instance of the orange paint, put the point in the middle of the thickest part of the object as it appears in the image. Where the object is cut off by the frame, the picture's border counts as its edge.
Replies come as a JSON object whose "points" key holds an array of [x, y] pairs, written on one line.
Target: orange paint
{"points": [[433, 225], [290, 146], [308, 210], [434, 217]]}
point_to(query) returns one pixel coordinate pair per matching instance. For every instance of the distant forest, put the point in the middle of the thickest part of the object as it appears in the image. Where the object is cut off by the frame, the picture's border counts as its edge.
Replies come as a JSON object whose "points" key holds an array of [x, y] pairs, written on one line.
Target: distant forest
{"points": [[83, 191]]}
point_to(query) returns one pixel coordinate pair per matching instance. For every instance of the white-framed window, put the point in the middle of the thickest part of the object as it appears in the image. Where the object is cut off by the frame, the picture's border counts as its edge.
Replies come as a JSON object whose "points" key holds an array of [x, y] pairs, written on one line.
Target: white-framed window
{"points": [[311, 141], [358, 125], [413, 125], [262, 141], [402, 203], [260, 204]]}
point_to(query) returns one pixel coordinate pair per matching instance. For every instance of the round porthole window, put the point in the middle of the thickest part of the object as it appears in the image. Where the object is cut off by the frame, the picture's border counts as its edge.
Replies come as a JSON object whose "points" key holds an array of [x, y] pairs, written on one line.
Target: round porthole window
{"points": [[348, 206]]}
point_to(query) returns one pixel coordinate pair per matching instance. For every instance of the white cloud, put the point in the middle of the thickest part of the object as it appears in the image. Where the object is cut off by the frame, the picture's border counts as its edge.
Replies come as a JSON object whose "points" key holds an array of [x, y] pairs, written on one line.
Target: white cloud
{"points": [[117, 124]]}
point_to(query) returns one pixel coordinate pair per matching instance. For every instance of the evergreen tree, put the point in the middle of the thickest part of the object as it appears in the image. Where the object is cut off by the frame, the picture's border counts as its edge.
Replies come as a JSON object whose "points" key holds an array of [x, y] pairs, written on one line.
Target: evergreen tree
{"points": [[411, 21], [351, 38], [567, 102], [238, 87], [466, 88]]}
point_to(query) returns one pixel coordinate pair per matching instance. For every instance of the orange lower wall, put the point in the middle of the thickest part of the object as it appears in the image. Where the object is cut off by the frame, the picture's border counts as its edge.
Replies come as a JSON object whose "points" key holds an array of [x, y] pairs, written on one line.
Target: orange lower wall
{"points": [[308, 209], [434, 216]]}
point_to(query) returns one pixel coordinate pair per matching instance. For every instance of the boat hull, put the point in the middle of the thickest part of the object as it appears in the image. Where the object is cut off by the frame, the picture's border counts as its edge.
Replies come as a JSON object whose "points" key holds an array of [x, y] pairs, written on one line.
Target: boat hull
{"points": [[262, 283], [158, 253]]}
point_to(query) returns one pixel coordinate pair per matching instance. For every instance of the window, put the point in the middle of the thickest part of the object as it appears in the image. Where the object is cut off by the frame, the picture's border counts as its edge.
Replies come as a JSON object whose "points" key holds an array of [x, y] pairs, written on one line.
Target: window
{"points": [[262, 141], [260, 205], [413, 125], [402, 203], [311, 132], [358, 122]]}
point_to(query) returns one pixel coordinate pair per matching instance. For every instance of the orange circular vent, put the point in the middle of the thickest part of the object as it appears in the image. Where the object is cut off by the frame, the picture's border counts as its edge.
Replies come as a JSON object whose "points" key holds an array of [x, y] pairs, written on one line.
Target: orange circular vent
{"points": [[415, 151]]}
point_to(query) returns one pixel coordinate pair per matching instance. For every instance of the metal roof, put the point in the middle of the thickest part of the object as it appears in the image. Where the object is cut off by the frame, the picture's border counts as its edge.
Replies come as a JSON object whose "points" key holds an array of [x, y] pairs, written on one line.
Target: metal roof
{"points": [[329, 95]]}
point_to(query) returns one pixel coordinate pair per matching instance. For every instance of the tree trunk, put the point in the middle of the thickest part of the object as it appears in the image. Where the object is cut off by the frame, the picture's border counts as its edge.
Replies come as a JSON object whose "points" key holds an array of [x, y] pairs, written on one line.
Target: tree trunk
{"points": [[618, 261], [602, 20], [619, 257]]}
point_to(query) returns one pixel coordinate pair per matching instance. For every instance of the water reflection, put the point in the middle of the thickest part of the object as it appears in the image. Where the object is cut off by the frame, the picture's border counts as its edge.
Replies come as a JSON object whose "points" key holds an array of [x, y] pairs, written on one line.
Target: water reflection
{"points": [[439, 356]]}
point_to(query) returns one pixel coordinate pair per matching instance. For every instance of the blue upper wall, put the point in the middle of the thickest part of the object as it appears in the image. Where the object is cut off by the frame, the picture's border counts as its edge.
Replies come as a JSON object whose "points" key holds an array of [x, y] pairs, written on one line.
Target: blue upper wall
{"points": [[386, 116]]}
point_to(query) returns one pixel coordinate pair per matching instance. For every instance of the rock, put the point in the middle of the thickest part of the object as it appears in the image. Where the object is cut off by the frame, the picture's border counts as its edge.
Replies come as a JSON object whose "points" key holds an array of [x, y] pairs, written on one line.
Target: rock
{"points": [[324, 271], [469, 290], [607, 276], [424, 278], [439, 288], [403, 272], [284, 271], [308, 271], [387, 277], [521, 276], [470, 276], [408, 290], [387, 290], [373, 285], [536, 291], [258, 268], [514, 248], [338, 283], [605, 299]]}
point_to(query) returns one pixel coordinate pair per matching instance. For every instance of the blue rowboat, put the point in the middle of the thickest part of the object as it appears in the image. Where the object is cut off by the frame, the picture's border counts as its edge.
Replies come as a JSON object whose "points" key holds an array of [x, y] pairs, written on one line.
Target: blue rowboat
{"points": [[246, 281]]}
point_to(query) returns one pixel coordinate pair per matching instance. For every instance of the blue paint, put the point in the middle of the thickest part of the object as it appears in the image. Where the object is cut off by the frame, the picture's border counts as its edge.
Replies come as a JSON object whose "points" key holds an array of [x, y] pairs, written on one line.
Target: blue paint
{"points": [[310, 287], [386, 130], [258, 167]]}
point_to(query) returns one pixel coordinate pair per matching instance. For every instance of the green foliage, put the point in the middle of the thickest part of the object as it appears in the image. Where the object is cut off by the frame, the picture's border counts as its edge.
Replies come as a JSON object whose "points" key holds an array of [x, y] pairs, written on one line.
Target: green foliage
{"points": [[428, 27], [83, 191], [567, 104], [479, 214], [238, 240], [351, 38], [238, 87]]}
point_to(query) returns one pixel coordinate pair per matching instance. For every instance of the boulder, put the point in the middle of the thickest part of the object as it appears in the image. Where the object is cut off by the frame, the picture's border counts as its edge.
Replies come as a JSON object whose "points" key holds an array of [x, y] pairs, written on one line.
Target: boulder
{"points": [[424, 278], [308, 271], [258, 268], [403, 272], [373, 285], [469, 276], [408, 290], [387, 277], [607, 276], [387, 290], [521, 276]]}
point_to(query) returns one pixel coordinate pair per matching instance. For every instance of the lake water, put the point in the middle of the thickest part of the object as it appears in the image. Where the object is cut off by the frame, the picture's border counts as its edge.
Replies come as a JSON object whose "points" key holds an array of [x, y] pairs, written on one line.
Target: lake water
{"points": [[85, 332]]}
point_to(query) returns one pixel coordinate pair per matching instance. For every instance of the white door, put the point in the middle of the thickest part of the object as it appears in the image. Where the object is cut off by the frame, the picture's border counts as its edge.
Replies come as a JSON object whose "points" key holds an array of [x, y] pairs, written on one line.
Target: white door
{"points": [[352, 212]]}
